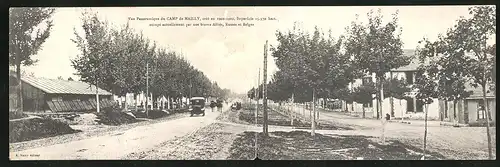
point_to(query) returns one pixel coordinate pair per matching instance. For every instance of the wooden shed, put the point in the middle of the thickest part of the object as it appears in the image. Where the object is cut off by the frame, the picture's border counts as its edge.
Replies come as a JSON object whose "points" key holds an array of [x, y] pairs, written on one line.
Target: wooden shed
{"points": [[54, 95]]}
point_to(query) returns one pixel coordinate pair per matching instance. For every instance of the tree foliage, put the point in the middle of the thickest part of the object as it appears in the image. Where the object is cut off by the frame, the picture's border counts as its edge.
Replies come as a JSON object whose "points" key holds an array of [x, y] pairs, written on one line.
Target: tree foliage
{"points": [[363, 94], [118, 59], [29, 28], [376, 47], [472, 36], [310, 61], [395, 88]]}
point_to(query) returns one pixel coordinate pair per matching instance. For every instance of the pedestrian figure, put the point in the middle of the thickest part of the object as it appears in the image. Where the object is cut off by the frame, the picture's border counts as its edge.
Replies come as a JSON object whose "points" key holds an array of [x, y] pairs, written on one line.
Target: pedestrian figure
{"points": [[212, 105], [219, 105], [387, 117]]}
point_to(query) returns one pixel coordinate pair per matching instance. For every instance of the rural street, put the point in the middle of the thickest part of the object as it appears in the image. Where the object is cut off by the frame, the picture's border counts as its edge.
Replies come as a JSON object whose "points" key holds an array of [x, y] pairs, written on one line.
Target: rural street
{"points": [[120, 144], [450, 141]]}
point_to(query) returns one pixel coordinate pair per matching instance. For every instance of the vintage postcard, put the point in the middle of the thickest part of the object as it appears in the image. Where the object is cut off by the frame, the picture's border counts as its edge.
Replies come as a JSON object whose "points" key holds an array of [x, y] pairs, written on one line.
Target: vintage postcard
{"points": [[244, 83]]}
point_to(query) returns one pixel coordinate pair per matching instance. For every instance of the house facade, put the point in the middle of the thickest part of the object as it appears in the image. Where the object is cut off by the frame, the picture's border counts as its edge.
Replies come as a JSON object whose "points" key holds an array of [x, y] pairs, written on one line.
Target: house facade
{"points": [[469, 110], [408, 108]]}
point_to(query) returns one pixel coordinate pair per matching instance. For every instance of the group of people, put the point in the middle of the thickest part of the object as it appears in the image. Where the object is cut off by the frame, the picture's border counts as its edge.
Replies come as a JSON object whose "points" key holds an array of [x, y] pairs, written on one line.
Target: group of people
{"points": [[217, 104]]}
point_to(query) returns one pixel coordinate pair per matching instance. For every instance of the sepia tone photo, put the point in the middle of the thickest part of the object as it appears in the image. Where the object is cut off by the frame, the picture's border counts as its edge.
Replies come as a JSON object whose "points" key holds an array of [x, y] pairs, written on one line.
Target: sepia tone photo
{"points": [[245, 83]]}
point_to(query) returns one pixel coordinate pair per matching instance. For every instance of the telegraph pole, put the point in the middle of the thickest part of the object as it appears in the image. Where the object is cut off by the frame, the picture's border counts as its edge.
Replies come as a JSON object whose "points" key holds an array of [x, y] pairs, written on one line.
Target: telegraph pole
{"points": [[147, 89], [265, 90], [257, 91]]}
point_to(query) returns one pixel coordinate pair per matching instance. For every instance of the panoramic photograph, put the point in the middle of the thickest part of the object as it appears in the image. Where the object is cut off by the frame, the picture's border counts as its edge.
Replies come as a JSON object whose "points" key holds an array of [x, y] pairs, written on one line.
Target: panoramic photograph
{"points": [[245, 83]]}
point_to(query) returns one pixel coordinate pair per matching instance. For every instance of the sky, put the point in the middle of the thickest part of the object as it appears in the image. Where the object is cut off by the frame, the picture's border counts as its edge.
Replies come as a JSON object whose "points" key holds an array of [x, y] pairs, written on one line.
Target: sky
{"points": [[231, 56]]}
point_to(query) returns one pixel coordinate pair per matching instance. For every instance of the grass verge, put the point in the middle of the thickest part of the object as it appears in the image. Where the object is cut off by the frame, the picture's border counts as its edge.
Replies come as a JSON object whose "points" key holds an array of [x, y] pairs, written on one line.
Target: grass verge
{"points": [[36, 128], [247, 114], [299, 145]]}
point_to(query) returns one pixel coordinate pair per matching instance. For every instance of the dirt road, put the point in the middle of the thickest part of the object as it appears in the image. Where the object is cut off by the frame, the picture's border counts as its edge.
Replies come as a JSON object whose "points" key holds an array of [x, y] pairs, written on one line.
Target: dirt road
{"points": [[120, 144], [455, 143]]}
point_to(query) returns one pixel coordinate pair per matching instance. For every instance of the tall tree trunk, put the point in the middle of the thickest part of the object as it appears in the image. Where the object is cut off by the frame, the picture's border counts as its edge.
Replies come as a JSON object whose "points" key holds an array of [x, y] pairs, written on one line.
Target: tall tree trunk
{"points": [[304, 111], [313, 124], [317, 113], [291, 113], [152, 101], [136, 98], [125, 104], [446, 108], [168, 103], [392, 98], [310, 113], [19, 86], [363, 111], [455, 116], [352, 106], [378, 108], [381, 98], [392, 106], [489, 113], [486, 107], [402, 112], [97, 97], [425, 131]]}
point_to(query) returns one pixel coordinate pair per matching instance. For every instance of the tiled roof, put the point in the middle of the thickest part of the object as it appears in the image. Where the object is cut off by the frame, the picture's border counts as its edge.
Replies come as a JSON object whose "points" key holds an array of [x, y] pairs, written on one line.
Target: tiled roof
{"points": [[56, 86], [413, 64]]}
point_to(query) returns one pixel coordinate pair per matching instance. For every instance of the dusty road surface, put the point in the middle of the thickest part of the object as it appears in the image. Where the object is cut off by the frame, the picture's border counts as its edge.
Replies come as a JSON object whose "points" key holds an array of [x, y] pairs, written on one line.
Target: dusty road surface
{"points": [[120, 144], [212, 142], [464, 143]]}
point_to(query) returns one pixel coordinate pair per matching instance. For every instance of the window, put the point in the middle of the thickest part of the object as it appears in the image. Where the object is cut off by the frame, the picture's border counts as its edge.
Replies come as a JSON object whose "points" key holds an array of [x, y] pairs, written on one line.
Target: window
{"points": [[409, 77], [409, 105], [420, 106], [481, 111]]}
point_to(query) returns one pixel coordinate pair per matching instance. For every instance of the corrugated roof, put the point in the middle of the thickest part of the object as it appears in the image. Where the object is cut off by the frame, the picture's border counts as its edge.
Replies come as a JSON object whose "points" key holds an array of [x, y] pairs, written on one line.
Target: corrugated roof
{"points": [[56, 86]]}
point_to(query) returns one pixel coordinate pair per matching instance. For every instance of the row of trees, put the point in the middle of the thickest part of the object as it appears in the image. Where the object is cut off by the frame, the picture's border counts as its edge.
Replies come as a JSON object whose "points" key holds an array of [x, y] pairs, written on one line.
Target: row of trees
{"points": [[461, 56], [326, 66], [316, 65], [122, 61]]}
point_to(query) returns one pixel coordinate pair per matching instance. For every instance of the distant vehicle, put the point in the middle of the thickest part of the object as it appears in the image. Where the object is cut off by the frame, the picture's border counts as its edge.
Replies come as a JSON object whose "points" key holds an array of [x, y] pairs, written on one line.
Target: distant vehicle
{"points": [[236, 106], [197, 106]]}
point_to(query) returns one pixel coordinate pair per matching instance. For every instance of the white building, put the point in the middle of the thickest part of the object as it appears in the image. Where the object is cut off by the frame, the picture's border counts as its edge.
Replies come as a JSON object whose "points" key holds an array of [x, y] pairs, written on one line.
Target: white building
{"points": [[407, 108]]}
